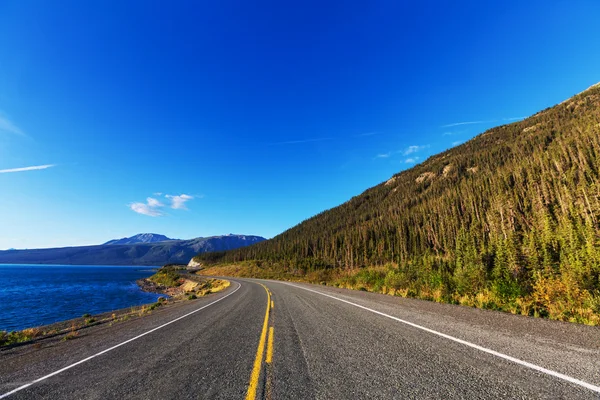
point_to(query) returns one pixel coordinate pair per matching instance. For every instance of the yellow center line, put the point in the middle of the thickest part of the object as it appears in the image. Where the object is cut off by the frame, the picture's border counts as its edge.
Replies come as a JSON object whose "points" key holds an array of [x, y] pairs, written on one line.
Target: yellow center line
{"points": [[254, 377], [269, 359], [272, 304]]}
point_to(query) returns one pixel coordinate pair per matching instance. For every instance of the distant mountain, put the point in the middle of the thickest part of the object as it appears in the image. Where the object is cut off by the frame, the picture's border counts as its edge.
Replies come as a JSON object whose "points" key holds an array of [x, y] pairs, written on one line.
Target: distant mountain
{"points": [[140, 238], [157, 253]]}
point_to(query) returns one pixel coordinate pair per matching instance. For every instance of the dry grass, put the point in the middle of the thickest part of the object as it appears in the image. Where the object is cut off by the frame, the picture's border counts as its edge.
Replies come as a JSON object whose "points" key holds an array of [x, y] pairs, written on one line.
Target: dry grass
{"points": [[227, 270], [553, 298], [206, 287], [73, 333]]}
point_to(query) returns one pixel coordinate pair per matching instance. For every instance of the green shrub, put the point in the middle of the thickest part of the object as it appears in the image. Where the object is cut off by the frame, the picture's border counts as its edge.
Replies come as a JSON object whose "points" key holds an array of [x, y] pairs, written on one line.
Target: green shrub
{"points": [[14, 337], [166, 276]]}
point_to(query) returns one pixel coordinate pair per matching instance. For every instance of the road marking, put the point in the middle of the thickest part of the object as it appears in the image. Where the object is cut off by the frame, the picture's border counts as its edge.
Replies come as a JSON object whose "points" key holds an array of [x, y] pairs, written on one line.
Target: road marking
{"points": [[272, 304], [113, 347], [464, 342], [253, 385], [269, 359]]}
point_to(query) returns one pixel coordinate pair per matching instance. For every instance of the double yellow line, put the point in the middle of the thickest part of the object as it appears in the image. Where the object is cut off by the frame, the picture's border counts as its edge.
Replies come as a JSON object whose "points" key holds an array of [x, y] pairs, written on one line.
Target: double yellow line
{"points": [[255, 376]]}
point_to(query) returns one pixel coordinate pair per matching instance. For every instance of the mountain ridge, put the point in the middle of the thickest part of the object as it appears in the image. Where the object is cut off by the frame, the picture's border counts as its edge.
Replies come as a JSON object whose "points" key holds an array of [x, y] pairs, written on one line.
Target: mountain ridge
{"points": [[140, 238], [155, 253]]}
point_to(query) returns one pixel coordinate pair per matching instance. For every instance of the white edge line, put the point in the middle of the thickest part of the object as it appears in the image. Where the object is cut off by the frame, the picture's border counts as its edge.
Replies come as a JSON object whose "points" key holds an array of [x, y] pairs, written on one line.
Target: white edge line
{"points": [[114, 347], [464, 342]]}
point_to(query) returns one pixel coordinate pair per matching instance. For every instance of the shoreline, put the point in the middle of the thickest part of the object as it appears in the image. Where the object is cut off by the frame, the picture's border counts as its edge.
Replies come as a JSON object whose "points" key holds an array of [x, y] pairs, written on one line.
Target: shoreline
{"points": [[71, 328]]}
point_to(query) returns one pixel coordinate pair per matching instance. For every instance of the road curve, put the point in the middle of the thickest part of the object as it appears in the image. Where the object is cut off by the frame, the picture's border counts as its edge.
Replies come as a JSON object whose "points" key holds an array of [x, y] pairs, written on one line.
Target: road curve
{"points": [[268, 339]]}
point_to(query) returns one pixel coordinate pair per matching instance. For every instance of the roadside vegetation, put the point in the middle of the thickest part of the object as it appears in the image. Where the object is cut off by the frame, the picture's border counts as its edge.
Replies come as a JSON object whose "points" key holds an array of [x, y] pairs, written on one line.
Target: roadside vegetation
{"points": [[26, 335], [200, 287], [167, 276], [550, 298], [175, 281], [69, 330], [507, 221]]}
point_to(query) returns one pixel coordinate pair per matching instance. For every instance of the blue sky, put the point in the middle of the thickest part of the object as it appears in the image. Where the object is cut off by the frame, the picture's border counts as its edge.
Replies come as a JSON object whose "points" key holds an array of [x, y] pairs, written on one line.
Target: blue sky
{"points": [[204, 118]]}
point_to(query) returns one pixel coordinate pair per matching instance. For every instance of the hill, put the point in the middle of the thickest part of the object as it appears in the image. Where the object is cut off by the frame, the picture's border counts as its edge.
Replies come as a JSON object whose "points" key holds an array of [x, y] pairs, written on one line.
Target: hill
{"points": [[508, 220], [159, 253], [140, 238]]}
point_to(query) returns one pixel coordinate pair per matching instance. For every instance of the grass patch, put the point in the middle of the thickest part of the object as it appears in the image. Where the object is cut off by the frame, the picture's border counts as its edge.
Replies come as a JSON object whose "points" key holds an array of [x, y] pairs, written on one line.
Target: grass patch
{"points": [[14, 337], [167, 276], [73, 333], [206, 287]]}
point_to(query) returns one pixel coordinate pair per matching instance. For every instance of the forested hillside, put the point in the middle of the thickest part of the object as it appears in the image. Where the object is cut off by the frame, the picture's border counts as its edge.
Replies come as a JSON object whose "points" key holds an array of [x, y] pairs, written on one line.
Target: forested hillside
{"points": [[507, 220]]}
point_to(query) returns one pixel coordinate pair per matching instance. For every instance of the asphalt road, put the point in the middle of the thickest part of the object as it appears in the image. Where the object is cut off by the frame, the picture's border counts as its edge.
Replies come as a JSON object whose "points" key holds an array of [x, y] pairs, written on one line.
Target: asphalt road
{"points": [[293, 341]]}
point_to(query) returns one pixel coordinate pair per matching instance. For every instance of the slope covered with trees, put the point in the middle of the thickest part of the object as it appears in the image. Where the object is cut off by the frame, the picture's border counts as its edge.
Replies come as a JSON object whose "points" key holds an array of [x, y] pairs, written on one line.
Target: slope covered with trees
{"points": [[510, 220]]}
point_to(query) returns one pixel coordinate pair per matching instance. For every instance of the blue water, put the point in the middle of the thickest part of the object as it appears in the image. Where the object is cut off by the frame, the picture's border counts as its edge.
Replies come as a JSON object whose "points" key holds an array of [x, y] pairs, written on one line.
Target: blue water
{"points": [[34, 295]]}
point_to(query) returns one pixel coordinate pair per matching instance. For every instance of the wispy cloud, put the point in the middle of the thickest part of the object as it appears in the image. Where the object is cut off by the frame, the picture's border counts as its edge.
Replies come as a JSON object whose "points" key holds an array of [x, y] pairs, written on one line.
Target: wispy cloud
{"points": [[24, 169], [153, 207], [7, 125], [411, 160], [407, 151], [464, 123], [178, 202], [481, 122], [450, 133], [413, 149], [457, 143], [300, 141], [152, 202]]}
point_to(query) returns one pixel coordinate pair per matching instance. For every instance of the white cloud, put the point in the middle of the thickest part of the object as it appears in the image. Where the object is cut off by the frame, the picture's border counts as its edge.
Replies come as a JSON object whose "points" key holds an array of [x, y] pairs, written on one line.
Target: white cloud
{"points": [[407, 151], [178, 202], [413, 149], [152, 202], [457, 143], [464, 123], [154, 207], [454, 133], [8, 126], [411, 160], [482, 122], [145, 209], [33, 168], [151, 207]]}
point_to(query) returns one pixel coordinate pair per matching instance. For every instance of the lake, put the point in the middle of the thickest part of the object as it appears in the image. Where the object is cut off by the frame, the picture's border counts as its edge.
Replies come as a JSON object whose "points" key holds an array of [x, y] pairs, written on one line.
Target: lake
{"points": [[34, 295]]}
